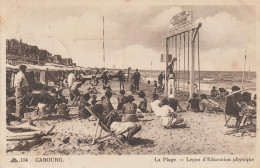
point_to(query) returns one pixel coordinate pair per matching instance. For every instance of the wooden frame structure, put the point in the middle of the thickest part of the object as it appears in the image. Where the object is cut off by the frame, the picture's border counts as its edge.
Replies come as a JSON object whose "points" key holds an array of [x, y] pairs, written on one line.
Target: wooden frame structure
{"points": [[166, 40]]}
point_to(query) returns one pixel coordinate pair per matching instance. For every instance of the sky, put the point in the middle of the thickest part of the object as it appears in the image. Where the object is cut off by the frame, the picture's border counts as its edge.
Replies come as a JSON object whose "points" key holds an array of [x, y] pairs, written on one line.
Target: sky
{"points": [[133, 34]]}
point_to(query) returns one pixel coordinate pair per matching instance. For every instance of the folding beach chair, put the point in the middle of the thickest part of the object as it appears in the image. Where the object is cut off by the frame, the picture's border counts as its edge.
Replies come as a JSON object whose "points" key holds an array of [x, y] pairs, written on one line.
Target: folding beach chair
{"points": [[110, 134], [228, 117]]}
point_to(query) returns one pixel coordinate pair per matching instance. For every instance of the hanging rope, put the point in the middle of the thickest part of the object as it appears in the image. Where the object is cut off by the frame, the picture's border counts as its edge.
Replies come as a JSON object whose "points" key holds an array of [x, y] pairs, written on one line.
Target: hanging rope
{"points": [[179, 64], [184, 63], [199, 58], [188, 61], [176, 72]]}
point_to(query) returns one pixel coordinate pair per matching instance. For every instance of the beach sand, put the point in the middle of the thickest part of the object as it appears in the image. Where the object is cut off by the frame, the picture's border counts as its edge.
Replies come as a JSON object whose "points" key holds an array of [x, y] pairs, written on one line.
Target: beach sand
{"points": [[205, 135]]}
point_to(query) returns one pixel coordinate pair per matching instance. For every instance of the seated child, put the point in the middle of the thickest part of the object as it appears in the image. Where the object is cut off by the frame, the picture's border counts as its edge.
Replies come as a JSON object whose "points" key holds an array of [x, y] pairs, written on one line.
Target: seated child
{"points": [[194, 103], [168, 116], [143, 102]]}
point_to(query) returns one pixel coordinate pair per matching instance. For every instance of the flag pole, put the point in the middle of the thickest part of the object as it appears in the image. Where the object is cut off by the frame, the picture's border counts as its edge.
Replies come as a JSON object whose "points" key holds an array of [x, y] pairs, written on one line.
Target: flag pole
{"points": [[244, 70]]}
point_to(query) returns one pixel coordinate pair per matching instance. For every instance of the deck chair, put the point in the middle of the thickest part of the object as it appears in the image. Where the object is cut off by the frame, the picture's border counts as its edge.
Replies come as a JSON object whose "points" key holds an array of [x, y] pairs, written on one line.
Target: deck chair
{"points": [[110, 134], [228, 117]]}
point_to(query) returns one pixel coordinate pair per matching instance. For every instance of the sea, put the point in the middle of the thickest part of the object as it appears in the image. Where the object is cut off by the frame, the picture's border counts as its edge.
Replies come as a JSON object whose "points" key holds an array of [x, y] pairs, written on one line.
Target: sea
{"points": [[208, 79]]}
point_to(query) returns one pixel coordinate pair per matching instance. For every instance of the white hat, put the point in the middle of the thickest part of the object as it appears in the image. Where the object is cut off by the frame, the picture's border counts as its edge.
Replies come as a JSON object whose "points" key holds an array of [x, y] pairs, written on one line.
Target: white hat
{"points": [[171, 96]]}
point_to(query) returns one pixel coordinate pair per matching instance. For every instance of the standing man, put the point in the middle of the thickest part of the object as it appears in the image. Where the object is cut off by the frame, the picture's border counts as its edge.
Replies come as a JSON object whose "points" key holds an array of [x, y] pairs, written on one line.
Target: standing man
{"points": [[136, 79], [104, 77], [121, 79], [160, 79], [21, 88], [171, 82]]}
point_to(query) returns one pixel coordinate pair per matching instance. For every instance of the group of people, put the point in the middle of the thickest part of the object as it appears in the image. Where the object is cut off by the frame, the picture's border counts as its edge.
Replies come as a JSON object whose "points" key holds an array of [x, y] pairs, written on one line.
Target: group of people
{"points": [[125, 117]]}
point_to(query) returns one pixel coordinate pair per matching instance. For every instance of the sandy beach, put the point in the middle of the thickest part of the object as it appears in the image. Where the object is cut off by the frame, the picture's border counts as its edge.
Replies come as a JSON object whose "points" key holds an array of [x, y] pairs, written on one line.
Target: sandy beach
{"points": [[205, 135]]}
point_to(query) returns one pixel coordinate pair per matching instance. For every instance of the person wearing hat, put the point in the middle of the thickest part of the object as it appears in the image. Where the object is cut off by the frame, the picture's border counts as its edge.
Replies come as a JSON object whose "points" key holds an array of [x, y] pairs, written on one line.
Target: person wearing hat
{"points": [[233, 106], [21, 88], [169, 118], [143, 102], [173, 103]]}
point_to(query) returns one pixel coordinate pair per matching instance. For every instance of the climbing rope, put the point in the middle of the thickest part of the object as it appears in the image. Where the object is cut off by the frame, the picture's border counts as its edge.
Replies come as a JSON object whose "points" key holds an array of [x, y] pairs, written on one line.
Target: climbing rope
{"points": [[179, 65], [184, 63], [188, 59]]}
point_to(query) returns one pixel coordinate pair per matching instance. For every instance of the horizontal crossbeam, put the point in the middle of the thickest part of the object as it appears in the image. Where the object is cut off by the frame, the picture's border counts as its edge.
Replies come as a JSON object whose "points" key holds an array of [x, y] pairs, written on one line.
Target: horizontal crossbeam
{"points": [[181, 30]]}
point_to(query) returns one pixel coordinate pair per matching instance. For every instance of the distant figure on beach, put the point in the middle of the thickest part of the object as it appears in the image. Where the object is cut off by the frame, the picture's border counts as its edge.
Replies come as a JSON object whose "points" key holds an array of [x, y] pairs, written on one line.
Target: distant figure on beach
{"points": [[136, 78], [214, 92], [121, 78], [160, 79], [194, 103], [171, 82], [173, 103], [222, 93], [121, 99], [104, 78], [21, 89], [143, 102], [233, 106], [168, 117], [94, 78], [209, 105], [155, 86]]}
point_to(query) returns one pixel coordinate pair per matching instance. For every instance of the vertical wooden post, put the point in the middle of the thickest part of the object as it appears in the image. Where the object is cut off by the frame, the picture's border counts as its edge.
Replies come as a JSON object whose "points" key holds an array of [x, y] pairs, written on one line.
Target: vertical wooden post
{"points": [[192, 77], [166, 68]]}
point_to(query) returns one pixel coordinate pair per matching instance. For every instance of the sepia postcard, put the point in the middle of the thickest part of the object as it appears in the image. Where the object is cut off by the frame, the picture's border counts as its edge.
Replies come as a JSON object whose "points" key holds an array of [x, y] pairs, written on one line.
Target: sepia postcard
{"points": [[91, 84]]}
